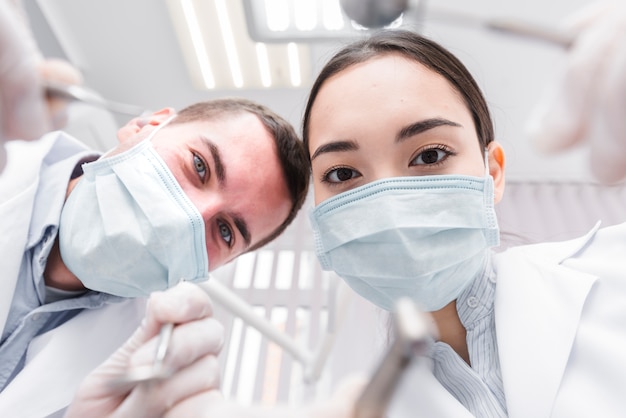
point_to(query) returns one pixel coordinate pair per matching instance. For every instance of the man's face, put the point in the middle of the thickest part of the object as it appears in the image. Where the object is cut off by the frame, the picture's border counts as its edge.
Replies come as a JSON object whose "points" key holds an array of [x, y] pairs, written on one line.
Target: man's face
{"points": [[229, 169]]}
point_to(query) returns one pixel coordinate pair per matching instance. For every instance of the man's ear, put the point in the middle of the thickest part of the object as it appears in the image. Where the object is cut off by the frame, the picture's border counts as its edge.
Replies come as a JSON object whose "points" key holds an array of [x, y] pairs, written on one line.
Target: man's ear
{"points": [[497, 162], [136, 125]]}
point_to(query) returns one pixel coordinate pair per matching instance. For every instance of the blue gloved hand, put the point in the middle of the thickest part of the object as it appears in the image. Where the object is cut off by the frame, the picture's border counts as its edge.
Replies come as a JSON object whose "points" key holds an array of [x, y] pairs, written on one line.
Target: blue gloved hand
{"points": [[588, 104]]}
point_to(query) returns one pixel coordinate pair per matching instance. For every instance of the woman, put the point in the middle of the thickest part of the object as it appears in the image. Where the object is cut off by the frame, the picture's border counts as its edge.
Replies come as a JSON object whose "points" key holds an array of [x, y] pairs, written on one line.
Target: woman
{"points": [[405, 173]]}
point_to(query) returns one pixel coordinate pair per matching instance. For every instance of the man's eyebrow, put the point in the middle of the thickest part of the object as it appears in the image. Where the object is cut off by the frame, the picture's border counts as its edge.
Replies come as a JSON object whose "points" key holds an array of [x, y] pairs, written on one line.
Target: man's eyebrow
{"points": [[335, 147], [242, 226], [423, 126], [220, 171]]}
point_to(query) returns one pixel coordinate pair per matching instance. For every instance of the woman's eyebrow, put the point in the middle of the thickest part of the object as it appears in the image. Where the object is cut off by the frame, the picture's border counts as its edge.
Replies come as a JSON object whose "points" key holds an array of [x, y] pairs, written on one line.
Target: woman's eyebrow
{"points": [[337, 146], [422, 126]]}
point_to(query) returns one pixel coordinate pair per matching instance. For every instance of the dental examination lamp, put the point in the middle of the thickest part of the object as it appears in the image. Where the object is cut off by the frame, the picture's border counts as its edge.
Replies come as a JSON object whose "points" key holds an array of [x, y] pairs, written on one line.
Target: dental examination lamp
{"points": [[374, 14], [350, 19]]}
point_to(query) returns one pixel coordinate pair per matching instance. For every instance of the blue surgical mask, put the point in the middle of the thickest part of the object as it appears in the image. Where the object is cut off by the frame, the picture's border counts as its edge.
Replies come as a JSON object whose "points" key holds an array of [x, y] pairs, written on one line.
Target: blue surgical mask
{"points": [[425, 237], [127, 228]]}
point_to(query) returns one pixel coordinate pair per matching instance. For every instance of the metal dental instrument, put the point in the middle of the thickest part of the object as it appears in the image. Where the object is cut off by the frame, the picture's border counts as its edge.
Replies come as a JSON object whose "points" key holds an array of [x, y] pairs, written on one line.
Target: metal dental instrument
{"points": [[414, 332], [155, 371], [511, 26], [82, 94]]}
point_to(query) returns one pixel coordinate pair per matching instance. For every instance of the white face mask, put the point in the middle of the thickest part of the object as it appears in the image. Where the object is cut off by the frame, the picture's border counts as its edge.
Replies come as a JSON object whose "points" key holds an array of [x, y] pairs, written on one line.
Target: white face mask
{"points": [[128, 228], [425, 237]]}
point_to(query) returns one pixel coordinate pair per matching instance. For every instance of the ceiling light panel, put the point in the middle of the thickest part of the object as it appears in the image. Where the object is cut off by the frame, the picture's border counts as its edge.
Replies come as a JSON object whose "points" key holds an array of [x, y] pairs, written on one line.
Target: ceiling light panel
{"points": [[220, 55], [297, 20]]}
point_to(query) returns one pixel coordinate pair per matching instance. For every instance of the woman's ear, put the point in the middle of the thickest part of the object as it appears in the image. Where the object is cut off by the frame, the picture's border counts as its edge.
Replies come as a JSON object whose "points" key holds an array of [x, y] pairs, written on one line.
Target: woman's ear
{"points": [[136, 125], [497, 162]]}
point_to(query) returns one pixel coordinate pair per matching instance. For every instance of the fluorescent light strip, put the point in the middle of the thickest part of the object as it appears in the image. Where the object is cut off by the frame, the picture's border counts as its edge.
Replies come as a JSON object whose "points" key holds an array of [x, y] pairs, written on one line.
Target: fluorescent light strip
{"points": [[249, 362], [234, 346], [244, 267], [284, 269], [263, 270], [305, 13], [198, 43], [333, 17], [294, 64], [277, 15], [229, 43], [264, 64]]}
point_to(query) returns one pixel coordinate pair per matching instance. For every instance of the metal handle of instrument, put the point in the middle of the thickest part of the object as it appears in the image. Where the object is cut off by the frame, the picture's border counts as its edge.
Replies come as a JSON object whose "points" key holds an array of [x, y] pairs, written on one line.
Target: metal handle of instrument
{"points": [[414, 332], [72, 92]]}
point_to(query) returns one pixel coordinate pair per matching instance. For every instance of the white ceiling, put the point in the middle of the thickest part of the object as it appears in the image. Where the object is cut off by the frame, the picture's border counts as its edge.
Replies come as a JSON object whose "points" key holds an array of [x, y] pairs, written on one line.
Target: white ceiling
{"points": [[128, 51]]}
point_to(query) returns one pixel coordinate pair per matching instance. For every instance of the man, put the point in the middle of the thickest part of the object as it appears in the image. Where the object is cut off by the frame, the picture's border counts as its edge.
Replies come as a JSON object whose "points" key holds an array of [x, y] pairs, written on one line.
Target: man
{"points": [[230, 174]]}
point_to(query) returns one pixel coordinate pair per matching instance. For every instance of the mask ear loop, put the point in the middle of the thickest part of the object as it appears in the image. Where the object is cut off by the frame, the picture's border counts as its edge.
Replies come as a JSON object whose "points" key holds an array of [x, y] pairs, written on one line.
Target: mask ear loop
{"points": [[149, 137], [486, 162], [159, 127]]}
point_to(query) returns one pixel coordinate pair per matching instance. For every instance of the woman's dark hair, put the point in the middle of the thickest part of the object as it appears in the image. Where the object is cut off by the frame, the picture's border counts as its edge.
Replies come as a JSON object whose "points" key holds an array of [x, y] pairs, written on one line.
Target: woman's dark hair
{"points": [[417, 48]]}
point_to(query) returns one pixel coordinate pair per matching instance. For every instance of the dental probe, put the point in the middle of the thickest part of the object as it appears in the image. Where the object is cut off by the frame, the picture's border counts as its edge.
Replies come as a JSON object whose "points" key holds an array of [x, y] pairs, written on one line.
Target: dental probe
{"points": [[155, 371], [512, 26], [414, 332], [72, 92], [313, 362]]}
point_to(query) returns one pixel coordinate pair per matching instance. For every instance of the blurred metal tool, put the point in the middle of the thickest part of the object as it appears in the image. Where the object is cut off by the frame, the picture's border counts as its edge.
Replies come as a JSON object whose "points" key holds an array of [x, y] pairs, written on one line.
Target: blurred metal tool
{"points": [[71, 92], [511, 26], [414, 332], [154, 372]]}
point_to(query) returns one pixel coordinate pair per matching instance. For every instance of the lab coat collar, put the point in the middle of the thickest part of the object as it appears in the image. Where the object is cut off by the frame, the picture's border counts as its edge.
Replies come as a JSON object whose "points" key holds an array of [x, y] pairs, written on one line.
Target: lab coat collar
{"points": [[538, 307], [59, 360], [19, 184]]}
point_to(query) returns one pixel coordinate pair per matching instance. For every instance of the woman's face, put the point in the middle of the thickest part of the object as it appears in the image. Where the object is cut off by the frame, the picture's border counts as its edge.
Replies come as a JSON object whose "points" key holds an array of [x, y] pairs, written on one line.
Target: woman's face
{"points": [[391, 117]]}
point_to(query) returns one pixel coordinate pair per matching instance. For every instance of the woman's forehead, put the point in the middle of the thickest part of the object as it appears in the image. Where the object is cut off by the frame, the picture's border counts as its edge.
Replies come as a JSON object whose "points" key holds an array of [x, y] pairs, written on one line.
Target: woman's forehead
{"points": [[388, 83]]}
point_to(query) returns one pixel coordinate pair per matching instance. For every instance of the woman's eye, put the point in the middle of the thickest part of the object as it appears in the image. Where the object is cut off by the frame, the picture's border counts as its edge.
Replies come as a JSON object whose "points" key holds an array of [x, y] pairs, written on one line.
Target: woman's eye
{"points": [[431, 156], [341, 174], [225, 232], [200, 167]]}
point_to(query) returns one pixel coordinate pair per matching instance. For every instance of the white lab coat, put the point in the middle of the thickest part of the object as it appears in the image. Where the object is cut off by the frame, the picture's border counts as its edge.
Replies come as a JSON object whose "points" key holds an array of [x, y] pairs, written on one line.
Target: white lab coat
{"points": [[58, 360], [561, 329]]}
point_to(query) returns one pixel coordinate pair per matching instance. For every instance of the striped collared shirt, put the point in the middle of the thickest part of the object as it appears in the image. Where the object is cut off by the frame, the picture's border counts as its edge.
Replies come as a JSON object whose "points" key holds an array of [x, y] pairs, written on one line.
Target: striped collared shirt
{"points": [[479, 387]]}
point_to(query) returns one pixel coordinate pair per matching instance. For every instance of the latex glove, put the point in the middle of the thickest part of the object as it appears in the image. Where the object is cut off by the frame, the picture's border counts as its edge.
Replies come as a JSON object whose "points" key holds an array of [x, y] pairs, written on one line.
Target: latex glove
{"points": [[63, 72], [24, 112], [195, 342], [588, 104], [212, 405]]}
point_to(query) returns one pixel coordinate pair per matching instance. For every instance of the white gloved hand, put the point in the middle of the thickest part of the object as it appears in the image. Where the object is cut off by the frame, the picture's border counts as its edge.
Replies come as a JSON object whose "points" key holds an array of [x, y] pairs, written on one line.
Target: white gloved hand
{"points": [[22, 108], [24, 112], [195, 342], [588, 104], [211, 404]]}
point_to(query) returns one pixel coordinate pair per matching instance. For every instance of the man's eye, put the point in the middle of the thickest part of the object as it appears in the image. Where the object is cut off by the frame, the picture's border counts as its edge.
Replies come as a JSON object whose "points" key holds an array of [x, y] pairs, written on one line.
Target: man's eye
{"points": [[225, 232], [431, 156], [200, 167], [338, 175]]}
